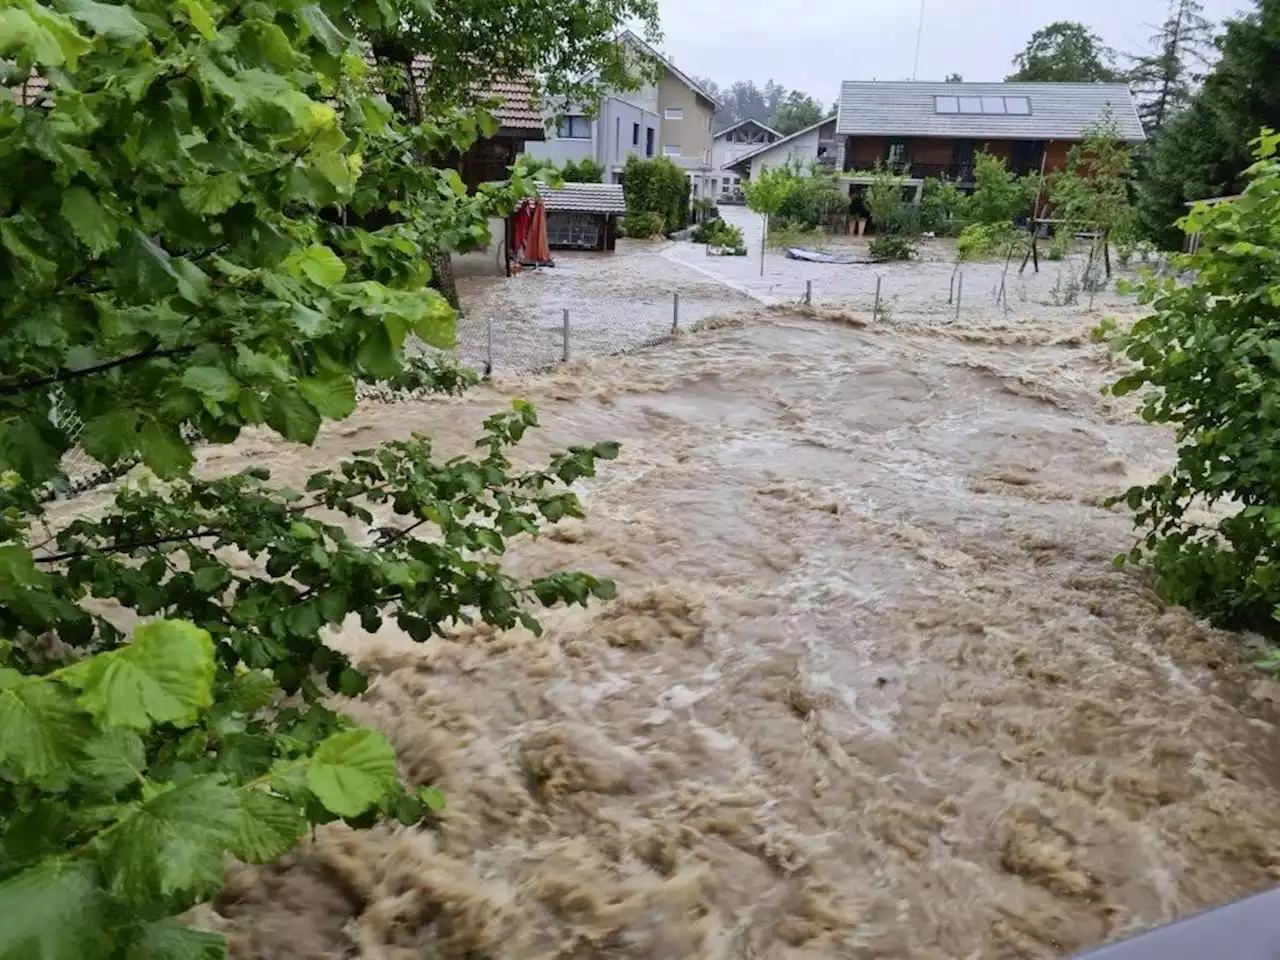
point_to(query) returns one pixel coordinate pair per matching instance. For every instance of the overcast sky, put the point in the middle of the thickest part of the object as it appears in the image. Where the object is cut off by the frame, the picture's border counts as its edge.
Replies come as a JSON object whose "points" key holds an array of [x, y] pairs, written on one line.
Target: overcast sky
{"points": [[812, 45]]}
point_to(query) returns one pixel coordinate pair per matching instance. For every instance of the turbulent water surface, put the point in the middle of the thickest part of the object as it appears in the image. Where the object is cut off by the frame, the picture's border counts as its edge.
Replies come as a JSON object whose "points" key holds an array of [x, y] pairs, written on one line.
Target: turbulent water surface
{"points": [[871, 689]]}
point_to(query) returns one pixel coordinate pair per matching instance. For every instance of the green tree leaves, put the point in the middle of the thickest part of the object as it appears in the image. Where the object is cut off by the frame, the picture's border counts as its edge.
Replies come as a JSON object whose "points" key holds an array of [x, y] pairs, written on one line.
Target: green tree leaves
{"points": [[164, 676], [92, 224], [113, 20], [352, 771], [213, 219], [171, 845], [55, 911], [41, 725], [1205, 362]]}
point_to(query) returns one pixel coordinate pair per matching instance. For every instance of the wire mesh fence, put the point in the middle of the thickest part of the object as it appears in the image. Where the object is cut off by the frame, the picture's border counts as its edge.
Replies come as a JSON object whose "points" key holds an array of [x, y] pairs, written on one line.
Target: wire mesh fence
{"points": [[597, 308]]}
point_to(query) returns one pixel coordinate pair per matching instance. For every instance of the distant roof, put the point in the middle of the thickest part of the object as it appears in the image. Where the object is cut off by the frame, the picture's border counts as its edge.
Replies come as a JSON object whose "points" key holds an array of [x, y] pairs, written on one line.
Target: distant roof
{"points": [[584, 198], [629, 37], [1058, 111], [779, 143], [518, 108], [742, 123]]}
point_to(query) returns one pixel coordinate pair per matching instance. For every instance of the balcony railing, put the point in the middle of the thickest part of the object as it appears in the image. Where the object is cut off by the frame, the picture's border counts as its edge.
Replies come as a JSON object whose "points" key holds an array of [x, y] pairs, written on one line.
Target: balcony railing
{"points": [[959, 172]]}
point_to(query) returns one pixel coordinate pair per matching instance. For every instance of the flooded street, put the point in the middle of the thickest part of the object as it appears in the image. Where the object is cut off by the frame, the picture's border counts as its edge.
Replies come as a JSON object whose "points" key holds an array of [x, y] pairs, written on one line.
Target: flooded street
{"points": [[871, 687]]}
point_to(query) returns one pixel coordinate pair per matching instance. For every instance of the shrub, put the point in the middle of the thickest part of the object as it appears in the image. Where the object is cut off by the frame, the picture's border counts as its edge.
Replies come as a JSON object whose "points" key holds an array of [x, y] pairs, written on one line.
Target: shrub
{"points": [[658, 186], [939, 201], [642, 226], [585, 170], [890, 213], [982, 240], [890, 246], [998, 195], [717, 233], [1208, 361], [814, 201]]}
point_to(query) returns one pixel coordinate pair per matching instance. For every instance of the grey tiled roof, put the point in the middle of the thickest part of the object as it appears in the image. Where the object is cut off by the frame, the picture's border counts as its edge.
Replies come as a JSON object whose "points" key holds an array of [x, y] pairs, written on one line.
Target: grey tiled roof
{"points": [[584, 198], [1059, 111]]}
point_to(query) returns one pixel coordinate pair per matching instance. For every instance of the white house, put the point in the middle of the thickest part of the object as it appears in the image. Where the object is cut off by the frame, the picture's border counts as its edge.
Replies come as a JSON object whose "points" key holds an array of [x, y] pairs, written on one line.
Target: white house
{"points": [[730, 144], [670, 118], [813, 144]]}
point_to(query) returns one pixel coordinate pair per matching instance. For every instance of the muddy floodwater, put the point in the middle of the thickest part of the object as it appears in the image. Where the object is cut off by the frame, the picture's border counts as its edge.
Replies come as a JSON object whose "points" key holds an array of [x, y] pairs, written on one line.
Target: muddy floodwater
{"points": [[871, 687]]}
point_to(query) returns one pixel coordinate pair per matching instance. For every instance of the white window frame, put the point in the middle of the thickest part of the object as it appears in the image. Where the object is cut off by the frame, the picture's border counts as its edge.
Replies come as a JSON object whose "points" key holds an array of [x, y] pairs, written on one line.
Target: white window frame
{"points": [[668, 147], [673, 113]]}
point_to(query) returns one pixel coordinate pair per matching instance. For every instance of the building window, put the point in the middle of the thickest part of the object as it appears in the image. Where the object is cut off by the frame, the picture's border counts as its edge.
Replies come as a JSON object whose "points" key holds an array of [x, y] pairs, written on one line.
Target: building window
{"points": [[648, 141], [673, 113], [714, 184], [671, 150], [574, 128], [991, 106], [897, 153], [635, 134]]}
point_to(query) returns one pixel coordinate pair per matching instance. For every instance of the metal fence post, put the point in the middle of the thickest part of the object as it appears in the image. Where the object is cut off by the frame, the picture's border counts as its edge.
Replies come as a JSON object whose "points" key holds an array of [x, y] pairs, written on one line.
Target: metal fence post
{"points": [[808, 293], [959, 294], [875, 311], [488, 367], [566, 336], [675, 312]]}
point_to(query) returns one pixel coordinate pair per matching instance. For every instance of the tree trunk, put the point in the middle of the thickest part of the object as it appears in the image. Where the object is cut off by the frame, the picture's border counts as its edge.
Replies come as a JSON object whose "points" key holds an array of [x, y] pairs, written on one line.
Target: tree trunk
{"points": [[442, 278]]}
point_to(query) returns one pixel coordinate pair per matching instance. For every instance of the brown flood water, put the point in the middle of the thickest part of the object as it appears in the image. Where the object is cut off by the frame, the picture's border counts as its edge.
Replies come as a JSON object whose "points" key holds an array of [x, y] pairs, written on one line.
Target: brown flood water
{"points": [[871, 689]]}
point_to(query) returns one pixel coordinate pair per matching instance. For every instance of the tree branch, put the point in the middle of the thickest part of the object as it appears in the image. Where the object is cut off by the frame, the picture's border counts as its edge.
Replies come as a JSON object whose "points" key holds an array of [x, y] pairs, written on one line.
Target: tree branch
{"points": [[23, 386], [131, 545]]}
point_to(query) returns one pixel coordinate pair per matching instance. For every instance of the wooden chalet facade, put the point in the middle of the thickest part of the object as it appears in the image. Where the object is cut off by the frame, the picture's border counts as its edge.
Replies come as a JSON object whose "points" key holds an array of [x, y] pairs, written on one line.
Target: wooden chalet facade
{"points": [[936, 129]]}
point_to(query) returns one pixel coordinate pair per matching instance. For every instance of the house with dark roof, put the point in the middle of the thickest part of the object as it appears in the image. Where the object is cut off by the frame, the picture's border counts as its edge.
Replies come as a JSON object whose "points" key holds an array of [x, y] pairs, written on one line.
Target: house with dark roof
{"points": [[935, 129]]}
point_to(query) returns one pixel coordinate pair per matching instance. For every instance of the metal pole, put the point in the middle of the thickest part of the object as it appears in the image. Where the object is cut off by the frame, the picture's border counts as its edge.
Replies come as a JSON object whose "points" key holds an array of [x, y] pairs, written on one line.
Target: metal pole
{"points": [[875, 311], [959, 294], [808, 293], [675, 312], [764, 238], [488, 367], [566, 336], [951, 296]]}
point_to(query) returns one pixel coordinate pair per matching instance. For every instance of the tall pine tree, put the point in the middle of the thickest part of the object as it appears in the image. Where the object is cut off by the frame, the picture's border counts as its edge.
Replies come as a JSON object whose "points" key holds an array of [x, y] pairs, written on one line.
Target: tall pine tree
{"points": [[1203, 151], [1164, 79]]}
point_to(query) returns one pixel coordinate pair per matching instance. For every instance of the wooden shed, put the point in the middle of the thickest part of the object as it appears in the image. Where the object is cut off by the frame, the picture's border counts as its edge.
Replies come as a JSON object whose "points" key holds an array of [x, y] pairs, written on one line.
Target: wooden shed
{"points": [[583, 216]]}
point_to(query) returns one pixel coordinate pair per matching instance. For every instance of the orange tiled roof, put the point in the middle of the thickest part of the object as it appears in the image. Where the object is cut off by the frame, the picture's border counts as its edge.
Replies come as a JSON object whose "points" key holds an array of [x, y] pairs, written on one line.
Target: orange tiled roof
{"points": [[518, 109]]}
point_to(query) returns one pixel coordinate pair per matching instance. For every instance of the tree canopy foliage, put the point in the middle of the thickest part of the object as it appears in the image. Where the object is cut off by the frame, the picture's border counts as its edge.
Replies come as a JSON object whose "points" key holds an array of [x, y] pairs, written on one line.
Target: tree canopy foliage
{"points": [[1064, 52], [188, 247], [773, 105], [1202, 150], [567, 48], [797, 111], [1163, 79], [1093, 192], [1208, 361]]}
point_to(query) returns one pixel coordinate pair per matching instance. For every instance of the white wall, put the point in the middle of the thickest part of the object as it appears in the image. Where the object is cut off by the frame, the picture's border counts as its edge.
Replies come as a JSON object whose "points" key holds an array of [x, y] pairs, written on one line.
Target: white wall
{"points": [[803, 150]]}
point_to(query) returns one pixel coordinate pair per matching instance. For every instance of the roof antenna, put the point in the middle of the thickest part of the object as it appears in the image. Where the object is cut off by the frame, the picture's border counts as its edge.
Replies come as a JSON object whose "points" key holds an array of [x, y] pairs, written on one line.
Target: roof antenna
{"points": [[919, 34]]}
